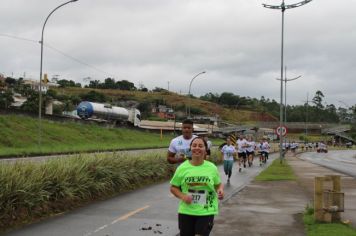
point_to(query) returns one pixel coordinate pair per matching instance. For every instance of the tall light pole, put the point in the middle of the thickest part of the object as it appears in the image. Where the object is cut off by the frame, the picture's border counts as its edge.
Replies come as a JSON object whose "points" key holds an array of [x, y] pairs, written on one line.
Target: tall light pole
{"points": [[285, 92], [190, 85], [283, 7], [40, 88]]}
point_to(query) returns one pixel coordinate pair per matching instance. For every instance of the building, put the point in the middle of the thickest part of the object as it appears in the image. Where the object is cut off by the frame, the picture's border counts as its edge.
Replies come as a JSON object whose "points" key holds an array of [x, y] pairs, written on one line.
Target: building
{"points": [[35, 85], [164, 112]]}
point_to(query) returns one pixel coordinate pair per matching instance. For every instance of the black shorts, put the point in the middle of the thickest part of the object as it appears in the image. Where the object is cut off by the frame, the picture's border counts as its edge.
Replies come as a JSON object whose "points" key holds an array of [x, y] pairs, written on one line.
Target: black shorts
{"points": [[242, 154], [208, 152], [192, 225], [264, 154], [250, 153]]}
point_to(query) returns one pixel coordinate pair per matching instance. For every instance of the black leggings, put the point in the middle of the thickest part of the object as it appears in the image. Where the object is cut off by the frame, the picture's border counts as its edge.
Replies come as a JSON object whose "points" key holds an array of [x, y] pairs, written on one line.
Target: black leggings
{"points": [[192, 225]]}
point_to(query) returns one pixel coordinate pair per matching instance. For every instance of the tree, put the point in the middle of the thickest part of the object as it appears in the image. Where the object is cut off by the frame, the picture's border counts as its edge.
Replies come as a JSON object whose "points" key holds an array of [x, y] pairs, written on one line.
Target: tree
{"points": [[318, 99], [211, 97], [68, 83], [145, 109], [125, 85], [229, 99], [93, 96], [10, 81], [109, 83], [6, 99], [94, 84], [32, 102], [158, 89]]}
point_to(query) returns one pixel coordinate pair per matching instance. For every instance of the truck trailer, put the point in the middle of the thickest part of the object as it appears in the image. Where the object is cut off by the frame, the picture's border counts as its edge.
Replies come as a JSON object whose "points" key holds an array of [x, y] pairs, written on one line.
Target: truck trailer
{"points": [[87, 110]]}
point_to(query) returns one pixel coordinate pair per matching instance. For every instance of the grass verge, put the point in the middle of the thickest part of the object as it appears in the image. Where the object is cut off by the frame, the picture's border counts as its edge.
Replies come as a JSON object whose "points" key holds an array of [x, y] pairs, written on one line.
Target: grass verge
{"points": [[31, 191], [19, 137], [277, 171], [314, 228]]}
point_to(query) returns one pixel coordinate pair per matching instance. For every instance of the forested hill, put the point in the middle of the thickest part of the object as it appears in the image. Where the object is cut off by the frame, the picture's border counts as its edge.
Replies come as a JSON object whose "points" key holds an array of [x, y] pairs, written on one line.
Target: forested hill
{"points": [[228, 106], [179, 103]]}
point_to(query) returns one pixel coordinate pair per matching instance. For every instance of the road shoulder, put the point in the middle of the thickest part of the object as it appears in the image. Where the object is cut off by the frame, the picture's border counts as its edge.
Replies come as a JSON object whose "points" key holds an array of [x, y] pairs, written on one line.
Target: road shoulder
{"points": [[263, 208]]}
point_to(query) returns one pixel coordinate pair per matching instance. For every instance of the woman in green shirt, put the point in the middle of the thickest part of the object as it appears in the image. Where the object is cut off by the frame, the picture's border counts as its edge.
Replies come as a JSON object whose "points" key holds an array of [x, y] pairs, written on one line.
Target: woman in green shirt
{"points": [[197, 184]]}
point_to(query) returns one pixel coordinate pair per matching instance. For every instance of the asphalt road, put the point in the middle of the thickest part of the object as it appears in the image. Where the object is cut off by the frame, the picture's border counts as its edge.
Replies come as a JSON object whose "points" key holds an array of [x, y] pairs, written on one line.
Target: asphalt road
{"points": [[47, 157], [147, 211], [342, 161]]}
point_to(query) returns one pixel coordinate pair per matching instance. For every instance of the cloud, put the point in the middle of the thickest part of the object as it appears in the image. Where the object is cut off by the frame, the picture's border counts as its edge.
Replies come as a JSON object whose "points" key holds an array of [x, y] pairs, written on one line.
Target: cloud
{"points": [[155, 41]]}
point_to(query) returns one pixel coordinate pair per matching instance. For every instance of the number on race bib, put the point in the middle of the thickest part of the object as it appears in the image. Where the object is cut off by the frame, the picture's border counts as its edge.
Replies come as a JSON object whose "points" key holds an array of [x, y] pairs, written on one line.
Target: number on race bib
{"points": [[198, 196]]}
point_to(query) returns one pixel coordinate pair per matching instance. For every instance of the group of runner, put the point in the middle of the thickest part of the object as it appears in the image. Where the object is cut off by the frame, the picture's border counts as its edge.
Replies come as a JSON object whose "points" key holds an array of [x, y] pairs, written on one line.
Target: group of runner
{"points": [[197, 183], [244, 151]]}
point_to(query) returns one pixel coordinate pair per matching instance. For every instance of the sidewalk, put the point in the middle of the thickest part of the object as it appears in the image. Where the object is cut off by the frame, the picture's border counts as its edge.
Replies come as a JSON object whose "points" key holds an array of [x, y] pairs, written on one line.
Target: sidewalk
{"points": [[275, 208], [306, 172]]}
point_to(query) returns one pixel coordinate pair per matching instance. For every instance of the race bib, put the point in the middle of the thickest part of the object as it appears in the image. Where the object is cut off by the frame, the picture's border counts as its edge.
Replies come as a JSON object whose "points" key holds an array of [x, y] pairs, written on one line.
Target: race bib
{"points": [[199, 196]]}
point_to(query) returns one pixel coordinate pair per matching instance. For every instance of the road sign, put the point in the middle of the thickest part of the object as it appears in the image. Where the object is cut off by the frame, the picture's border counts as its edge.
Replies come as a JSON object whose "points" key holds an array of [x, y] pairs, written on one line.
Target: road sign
{"points": [[281, 129]]}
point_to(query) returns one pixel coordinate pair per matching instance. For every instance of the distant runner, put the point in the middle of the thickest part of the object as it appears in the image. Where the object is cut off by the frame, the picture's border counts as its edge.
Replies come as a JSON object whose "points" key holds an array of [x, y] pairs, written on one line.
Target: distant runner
{"points": [[208, 151], [179, 148], [250, 150], [228, 152], [241, 151]]}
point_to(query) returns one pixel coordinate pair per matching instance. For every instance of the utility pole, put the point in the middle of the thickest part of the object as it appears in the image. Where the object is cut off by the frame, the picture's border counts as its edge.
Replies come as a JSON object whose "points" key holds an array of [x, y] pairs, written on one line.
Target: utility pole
{"points": [[40, 82], [285, 92], [306, 116]]}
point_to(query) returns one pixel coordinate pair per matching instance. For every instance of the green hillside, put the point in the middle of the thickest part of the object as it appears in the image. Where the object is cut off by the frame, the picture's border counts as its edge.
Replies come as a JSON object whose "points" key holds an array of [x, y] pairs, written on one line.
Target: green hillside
{"points": [[176, 101], [19, 137]]}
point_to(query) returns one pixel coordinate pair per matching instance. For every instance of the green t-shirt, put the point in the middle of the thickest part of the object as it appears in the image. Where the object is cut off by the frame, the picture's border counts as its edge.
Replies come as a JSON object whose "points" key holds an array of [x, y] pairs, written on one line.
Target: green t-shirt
{"points": [[198, 181]]}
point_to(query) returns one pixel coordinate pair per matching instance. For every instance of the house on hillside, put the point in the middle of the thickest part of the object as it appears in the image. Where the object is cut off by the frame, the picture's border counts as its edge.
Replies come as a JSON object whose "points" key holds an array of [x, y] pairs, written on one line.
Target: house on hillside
{"points": [[164, 112], [35, 85], [18, 100]]}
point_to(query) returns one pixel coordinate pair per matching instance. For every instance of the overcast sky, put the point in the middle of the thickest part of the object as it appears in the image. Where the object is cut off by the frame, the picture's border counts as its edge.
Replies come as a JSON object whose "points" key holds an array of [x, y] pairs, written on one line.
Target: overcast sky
{"points": [[158, 43]]}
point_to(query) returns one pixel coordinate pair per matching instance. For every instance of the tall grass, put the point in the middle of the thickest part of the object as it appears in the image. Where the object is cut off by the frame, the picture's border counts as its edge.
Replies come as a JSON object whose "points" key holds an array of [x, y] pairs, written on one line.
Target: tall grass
{"points": [[32, 190]]}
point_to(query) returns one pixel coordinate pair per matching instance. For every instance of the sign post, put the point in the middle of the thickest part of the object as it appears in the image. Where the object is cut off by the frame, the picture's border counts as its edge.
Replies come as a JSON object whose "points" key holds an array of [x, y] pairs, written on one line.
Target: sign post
{"points": [[281, 131]]}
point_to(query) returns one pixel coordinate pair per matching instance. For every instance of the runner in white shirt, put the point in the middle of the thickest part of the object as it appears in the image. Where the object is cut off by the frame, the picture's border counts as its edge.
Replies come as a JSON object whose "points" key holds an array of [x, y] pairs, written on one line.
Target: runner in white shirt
{"points": [[228, 152], [209, 143], [179, 148], [265, 147], [293, 147], [241, 144], [250, 150]]}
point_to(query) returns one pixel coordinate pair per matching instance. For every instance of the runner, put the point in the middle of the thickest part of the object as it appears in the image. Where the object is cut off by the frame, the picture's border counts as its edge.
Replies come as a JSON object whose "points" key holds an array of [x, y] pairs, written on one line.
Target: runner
{"points": [[261, 153], [265, 147], [228, 152], [197, 184], [179, 150], [208, 152], [241, 151], [293, 147], [250, 150]]}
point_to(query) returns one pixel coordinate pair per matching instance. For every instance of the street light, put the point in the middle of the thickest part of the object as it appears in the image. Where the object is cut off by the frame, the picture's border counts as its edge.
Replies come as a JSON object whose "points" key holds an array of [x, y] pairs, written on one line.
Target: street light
{"points": [[285, 93], [283, 7], [40, 88], [190, 85]]}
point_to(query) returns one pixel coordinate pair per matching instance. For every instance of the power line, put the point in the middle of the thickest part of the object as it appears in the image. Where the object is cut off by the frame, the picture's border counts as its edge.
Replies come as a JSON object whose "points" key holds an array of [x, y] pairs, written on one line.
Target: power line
{"points": [[19, 38], [60, 52]]}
